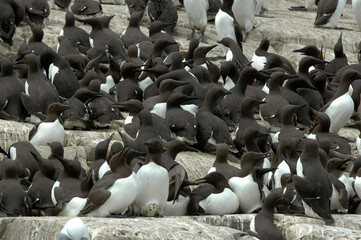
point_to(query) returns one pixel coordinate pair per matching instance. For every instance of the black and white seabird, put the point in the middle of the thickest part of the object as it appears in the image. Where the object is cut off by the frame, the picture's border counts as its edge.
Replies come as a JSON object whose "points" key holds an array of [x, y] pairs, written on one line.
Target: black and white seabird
{"points": [[59, 73], [197, 15], [51, 130], [37, 10], [221, 164], [115, 191], [163, 10], [329, 12], [86, 7], [262, 226], [209, 199], [39, 92], [152, 182], [244, 13], [250, 180], [13, 200], [12, 14], [340, 108], [315, 197], [11, 89]]}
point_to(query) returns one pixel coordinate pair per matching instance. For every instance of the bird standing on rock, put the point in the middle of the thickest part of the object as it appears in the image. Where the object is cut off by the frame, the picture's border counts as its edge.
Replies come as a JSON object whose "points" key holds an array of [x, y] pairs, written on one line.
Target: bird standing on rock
{"points": [[341, 106], [51, 130], [197, 15], [312, 183], [153, 182]]}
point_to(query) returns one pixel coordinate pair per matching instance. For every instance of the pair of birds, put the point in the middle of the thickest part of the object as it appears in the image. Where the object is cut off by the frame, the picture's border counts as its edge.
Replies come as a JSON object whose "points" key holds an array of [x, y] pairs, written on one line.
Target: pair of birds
{"points": [[330, 11], [232, 17]]}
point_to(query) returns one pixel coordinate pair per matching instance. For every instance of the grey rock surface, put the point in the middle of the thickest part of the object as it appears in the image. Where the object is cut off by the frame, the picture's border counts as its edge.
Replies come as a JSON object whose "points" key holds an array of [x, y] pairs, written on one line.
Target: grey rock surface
{"points": [[106, 229], [286, 31]]}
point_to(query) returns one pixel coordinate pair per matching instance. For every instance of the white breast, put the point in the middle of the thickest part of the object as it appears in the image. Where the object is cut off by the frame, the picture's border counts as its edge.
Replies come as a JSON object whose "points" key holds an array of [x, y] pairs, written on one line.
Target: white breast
{"points": [[212, 169], [196, 13], [53, 70], [123, 193], [299, 168], [27, 88], [48, 132], [312, 136], [53, 199], [348, 184], [250, 201], [358, 186], [244, 12], [73, 207], [214, 203], [340, 111], [145, 83], [224, 26], [91, 42], [332, 22], [179, 208], [358, 145], [103, 169], [159, 109], [335, 201], [191, 108], [309, 211], [12, 153], [153, 186], [282, 168], [108, 84], [229, 83], [275, 137], [265, 89], [128, 120], [229, 55], [258, 62]]}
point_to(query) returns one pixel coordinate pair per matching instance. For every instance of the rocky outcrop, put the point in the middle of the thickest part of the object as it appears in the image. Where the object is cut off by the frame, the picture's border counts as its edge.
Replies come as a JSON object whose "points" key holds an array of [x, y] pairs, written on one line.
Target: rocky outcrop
{"points": [[286, 31], [345, 227], [202, 227], [110, 229]]}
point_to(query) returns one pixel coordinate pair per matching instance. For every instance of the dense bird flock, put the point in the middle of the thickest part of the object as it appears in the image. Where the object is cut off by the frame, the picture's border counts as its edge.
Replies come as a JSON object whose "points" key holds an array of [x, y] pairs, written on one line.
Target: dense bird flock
{"points": [[293, 159]]}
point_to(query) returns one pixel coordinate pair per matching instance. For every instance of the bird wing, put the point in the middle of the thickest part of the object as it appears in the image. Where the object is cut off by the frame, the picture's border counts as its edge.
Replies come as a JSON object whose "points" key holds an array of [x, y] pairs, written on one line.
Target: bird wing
{"points": [[96, 198], [341, 188], [176, 177], [313, 197], [325, 11]]}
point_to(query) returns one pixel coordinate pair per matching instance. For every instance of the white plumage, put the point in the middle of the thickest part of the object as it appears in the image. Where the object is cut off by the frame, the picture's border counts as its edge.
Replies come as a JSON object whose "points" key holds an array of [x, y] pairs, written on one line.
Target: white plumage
{"points": [[214, 203], [224, 26], [123, 193], [333, 20], [197, 13], [153, 186], [178, 208], [250, 201], [244, 12], [48, 132], [73, 207], [282, 169], [340, 111]]}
